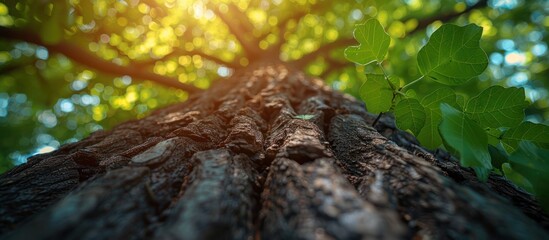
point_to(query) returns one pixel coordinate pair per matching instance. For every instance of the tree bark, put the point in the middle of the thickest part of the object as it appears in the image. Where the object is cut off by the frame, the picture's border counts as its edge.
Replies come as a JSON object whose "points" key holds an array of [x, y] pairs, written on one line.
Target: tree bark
{"points": [[265, 154]]}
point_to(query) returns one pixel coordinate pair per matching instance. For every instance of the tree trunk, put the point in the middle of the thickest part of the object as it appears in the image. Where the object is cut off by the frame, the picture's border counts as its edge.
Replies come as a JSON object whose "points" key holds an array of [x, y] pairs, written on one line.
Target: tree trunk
{"points": [[269, 154]]}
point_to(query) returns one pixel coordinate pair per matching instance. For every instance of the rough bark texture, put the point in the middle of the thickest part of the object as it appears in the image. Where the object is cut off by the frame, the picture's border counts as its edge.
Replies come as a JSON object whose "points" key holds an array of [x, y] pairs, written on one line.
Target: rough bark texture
{"points": [[238, 162]]}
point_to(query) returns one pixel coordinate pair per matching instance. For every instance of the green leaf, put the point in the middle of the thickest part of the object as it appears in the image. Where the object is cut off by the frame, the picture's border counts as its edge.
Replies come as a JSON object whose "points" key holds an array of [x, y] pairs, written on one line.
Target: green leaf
{"points": [[376, 93], [532, 162], [460, 100], [304, 116], [411, 93], [528, 131], [498, 155], [452, 56], [409, 114], [494, 136], [466, 137], [441, 95], [516, 178], [497, 107], [429, 135], [373, 43], [482, 173]]}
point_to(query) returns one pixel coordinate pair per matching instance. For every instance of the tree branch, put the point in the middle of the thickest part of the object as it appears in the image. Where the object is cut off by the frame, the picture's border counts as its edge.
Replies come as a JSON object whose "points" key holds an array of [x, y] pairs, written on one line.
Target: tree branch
{"points": [[423, 23], [88, 59], [180, 52], [243, 21], [251, 49], [176, 52]]}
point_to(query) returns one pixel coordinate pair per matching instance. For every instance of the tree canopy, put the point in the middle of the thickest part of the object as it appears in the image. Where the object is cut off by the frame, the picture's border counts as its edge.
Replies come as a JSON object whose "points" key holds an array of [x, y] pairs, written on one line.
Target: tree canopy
{"points": [[71, 67]]}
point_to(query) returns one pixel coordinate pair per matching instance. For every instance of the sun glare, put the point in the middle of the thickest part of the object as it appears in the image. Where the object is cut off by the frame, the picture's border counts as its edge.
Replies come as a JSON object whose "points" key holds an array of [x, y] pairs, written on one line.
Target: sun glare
{"points": [[45, 149]]}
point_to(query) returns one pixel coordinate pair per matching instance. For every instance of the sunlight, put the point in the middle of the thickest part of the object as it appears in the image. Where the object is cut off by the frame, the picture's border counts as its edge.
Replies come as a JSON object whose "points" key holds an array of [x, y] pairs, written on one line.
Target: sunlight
{"points": [[45, 149], [515, 58]]}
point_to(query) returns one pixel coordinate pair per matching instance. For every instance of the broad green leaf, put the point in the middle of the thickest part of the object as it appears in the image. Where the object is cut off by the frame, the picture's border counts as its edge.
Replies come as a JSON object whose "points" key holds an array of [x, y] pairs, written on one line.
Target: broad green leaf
{"points": [[373, 43], [452, 56], [482, 173], [493, 136], [376, 93], [465, 137], [410, 115], [498, 155], [441, 95], [460, 100], [497, 107], [429, 136], [516, 178], [532, 162], [527, 131], [411, 93]]}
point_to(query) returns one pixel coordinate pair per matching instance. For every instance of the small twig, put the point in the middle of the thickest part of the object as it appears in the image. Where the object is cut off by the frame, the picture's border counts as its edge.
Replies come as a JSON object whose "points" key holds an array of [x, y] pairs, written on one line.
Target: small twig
{"points": [[178, 52], [386, 76], [412, 82], [377, 119]]}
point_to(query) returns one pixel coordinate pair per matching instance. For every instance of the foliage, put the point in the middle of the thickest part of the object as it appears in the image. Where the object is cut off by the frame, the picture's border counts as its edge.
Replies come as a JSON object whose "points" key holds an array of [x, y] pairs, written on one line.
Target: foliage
{"points": [[532, 162], [452, 56], [374, 43]]}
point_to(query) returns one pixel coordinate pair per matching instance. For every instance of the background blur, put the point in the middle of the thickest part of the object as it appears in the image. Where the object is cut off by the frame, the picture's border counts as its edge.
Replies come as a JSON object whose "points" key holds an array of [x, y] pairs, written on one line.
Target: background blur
{"points": [[48, 99]]}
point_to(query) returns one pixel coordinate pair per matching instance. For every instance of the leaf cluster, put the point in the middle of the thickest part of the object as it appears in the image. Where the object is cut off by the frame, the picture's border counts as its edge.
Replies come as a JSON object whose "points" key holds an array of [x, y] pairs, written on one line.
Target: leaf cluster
{"points": [[487, 132]]}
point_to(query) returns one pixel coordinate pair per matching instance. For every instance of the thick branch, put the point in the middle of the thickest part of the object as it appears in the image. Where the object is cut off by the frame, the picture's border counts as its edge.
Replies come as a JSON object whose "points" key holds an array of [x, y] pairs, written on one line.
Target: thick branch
{"points": [[180, 52], [251, 49], [243, 21], [175, 53], [88, 59], [423, 23]]}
